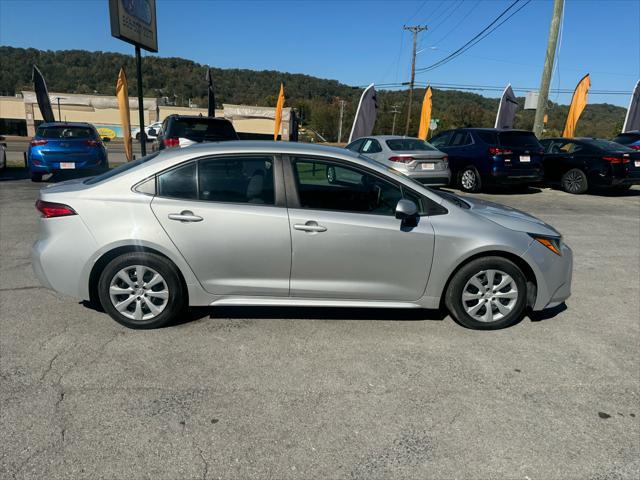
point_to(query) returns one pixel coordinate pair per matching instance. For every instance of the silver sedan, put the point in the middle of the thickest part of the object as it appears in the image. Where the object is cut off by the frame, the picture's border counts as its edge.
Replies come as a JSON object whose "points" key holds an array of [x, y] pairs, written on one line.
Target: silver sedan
{"points": [[410, 156], [259, 223]]}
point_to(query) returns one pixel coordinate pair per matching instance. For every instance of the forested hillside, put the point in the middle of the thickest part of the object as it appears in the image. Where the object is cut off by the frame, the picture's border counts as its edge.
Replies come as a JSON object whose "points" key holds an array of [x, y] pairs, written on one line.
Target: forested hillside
{"points": [[317, 100]]}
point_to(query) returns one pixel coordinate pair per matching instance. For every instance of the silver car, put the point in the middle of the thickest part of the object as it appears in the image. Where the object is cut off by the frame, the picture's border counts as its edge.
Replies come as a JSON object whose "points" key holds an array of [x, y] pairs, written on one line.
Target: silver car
{"points": [[259, 223], [413, 157]]}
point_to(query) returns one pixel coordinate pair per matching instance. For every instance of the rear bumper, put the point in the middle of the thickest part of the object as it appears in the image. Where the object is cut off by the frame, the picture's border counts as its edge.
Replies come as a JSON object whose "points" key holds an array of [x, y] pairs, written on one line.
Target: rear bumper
{"points": [[430, 177], [502, 176], [40, 164]]}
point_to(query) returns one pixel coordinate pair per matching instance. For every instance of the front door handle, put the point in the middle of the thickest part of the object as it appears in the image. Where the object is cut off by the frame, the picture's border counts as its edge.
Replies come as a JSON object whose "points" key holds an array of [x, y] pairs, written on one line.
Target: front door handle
{"points": [[310, 226], [185, 216]]}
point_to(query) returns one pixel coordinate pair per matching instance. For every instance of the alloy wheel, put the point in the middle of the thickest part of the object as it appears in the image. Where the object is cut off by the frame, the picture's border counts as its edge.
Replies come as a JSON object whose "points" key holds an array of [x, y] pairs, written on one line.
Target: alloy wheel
{"points": [[489, 296], [139, 292], [573, 182], [468, 180]]}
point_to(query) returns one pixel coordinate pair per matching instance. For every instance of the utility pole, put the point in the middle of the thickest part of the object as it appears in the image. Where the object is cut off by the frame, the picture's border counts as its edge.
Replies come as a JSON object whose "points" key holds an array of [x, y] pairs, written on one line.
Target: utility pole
{"points": [[543, 94], [395, 112], [342, 102], [415, 29]]}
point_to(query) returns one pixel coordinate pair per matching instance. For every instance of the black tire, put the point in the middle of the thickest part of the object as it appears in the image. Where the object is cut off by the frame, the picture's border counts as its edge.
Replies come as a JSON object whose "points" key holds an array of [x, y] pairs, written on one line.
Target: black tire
{"points": [[138, 136], [469, 180], [36, 177], [574, 181], [175, 303], [453, 295]]}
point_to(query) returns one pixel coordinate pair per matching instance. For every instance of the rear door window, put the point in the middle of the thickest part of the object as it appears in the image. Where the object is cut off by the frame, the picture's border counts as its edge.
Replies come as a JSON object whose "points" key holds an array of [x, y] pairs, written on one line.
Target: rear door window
{"points": [[237, 180], [371, 146], [460, 139], [179, 182]]}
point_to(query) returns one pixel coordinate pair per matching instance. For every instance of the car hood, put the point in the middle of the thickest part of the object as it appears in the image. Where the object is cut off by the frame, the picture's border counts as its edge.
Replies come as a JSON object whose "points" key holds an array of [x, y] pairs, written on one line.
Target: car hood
{"points": [[510, 218]]}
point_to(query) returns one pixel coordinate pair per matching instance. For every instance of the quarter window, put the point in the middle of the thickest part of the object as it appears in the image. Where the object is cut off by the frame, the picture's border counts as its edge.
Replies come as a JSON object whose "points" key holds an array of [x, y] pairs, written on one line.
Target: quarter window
{"points": [[330, 186]]}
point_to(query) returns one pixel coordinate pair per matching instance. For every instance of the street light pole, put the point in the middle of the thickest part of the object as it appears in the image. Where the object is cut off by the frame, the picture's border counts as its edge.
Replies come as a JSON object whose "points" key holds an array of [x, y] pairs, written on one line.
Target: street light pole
{"points": [[395, 112], [342, 102]]}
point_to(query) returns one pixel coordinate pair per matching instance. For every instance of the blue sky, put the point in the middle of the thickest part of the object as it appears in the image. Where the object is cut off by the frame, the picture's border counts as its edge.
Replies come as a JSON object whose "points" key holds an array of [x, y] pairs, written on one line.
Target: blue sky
{"points": [[359, 42]]}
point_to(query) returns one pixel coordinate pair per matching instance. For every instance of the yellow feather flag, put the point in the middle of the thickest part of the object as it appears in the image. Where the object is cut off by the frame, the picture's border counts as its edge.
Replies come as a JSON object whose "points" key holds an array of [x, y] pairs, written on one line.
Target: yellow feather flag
{"points": [[578, 102], [425, 115], [122, 94], [279, 106]]}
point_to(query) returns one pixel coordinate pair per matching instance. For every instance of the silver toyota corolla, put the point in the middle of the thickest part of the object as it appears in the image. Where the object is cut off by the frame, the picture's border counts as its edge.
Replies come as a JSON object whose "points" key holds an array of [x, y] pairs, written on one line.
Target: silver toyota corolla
{"points": [[261, 223], [410, 156]]}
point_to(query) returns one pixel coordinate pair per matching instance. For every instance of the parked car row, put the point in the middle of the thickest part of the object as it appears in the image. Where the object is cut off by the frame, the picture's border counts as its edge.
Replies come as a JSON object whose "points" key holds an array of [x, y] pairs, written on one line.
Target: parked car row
{"points": [[473, 158]]}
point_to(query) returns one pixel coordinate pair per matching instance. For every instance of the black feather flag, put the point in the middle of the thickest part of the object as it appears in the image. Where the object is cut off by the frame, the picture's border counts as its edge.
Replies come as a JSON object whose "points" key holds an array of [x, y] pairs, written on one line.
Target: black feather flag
{"points": [[40, 86]]}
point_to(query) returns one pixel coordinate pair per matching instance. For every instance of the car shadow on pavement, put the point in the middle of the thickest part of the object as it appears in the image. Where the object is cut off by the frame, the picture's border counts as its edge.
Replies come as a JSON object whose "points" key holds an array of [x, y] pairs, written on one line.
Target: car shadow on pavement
{"points": [[14, 173], [608, 192], [548, 313], [310, 313]]}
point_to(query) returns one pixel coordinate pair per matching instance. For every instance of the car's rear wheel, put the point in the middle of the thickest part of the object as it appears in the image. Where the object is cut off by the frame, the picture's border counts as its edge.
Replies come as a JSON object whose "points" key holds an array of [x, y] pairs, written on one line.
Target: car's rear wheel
{"points": [[141, 290], [487, 294], [469, 180], [36, 177], [138, 136], [575, 181]]}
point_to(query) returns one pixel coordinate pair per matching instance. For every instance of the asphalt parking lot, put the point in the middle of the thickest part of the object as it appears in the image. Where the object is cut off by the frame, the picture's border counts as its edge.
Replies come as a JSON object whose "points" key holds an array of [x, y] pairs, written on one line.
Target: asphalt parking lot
{"points": [[314, 393]]}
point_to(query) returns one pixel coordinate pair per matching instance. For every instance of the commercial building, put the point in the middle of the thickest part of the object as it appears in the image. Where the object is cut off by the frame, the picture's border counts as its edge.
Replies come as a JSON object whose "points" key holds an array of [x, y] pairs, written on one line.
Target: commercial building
{"points": [[20, 115]]}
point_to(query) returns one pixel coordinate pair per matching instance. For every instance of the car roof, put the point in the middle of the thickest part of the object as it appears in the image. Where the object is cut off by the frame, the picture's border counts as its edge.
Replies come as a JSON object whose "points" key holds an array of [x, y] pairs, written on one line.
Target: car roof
{"points": [[265, 146], [391, 137], [66, 124], [198, 117], [498, 130]]}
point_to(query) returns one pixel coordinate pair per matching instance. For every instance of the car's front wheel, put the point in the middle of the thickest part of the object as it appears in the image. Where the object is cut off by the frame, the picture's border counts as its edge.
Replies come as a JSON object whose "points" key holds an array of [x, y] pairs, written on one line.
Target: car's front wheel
{"points": [[141, 290], [469, 180], [487, 294]]}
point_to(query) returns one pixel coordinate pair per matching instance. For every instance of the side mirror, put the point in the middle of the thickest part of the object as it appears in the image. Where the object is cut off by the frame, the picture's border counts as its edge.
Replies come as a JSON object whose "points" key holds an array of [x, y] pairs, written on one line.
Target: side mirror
{"points": [[152, 132], [406, 209], [106, 139]]}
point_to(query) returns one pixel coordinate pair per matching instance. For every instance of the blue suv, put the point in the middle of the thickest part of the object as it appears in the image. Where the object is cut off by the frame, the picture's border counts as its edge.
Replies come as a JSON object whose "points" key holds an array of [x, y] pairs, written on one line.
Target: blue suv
{"points": [[59, 146], [480, 157]]}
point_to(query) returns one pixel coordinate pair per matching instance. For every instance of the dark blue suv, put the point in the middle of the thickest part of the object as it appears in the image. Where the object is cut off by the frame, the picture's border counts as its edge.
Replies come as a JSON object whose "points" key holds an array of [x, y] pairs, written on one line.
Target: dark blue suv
{"points": [[491, 156]]}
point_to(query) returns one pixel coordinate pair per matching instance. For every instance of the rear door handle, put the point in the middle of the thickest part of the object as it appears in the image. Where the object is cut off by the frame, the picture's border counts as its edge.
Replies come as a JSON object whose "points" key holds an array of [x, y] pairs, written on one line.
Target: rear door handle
{"points": [[185, 216], [310, 226]]}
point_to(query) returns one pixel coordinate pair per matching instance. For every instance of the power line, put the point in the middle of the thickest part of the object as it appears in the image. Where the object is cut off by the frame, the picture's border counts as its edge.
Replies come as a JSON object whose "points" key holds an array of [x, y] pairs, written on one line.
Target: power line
{"points": [[480, 36], [446, 35]]}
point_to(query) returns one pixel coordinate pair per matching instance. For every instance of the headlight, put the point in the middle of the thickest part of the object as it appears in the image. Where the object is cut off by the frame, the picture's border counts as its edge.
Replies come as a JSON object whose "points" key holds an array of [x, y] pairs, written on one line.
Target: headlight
{"points": [[552, 243]]}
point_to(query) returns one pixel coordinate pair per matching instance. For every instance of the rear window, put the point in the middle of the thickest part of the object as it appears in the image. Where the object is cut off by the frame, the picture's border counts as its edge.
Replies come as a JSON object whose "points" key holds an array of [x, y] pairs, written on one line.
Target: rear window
{"points": [[606, 145], [202, 129], [64, 131], [399, 144], [627, 138], [119, 170], [488, 137], [518, 139]]}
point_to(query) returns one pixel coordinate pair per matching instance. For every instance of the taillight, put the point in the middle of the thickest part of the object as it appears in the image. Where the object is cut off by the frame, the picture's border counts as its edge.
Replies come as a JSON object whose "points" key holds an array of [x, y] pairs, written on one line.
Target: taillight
{"points": [[634, 147], [616, 160], [37, 143], [51, 209], [499, 151], [401, 159], [171, 142], [92, 143]]}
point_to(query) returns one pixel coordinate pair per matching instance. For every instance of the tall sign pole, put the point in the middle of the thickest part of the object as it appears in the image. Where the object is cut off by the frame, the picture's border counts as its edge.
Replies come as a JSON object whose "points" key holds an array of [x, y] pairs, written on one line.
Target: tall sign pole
{"points": [[543, 94], [143, 134], [415, 29], [134, 21]]}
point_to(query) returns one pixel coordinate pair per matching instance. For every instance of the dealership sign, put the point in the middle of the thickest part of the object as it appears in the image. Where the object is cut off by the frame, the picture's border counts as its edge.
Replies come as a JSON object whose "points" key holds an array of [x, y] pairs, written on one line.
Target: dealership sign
{"points": [[134, 21]]}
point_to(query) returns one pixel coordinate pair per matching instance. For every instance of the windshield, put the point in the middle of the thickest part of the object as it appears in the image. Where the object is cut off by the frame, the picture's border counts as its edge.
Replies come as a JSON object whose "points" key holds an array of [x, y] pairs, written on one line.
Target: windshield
{"points": [[399, 144], [202, 129], [65, 131], [607, 146], [119, 170]]}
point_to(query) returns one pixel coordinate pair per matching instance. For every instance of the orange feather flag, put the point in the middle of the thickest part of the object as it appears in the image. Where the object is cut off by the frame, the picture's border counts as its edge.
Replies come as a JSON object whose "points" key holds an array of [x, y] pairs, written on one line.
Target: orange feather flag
{"points": [[123, 105], [578, 102], [425, 115], [279, 106]]}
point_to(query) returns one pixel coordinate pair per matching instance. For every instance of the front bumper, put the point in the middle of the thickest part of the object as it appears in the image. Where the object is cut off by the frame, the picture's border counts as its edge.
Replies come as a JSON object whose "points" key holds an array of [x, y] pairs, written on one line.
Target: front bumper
{"points": [[553, 273]]}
